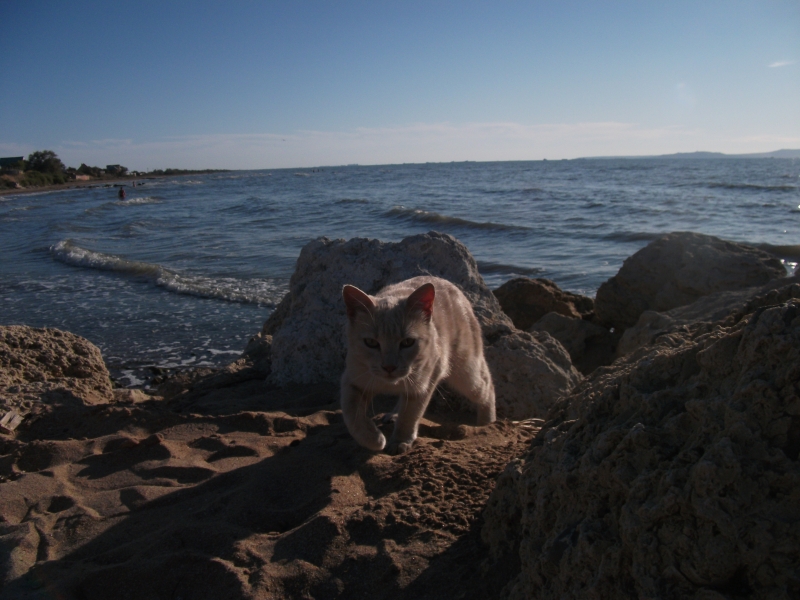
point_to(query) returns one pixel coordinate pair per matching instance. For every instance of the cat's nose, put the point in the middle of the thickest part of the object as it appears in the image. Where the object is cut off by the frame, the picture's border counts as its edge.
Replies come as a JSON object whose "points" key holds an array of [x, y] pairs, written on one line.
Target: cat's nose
{"points": [[389, 368]]}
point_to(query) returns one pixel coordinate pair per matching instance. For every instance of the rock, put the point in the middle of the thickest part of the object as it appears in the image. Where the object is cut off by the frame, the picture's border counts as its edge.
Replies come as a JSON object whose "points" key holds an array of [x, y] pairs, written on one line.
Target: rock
{"points": [[526, 301], [530, 372], [677, 269], [130, 396], [672, 474], [589, 345], [48, 364], [708, 309], [308, 343], [258, 354]]}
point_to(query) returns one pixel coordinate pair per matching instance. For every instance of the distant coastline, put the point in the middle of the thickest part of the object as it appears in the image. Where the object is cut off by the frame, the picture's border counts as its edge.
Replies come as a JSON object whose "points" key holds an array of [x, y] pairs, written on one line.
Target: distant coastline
{"points": [[786, 153], [108, 182], [121, 180]]}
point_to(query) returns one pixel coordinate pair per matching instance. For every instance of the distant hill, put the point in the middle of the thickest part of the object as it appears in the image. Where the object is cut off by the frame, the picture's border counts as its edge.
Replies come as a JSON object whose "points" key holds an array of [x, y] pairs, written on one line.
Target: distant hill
{"points": [[696, 155], [775, 154]]}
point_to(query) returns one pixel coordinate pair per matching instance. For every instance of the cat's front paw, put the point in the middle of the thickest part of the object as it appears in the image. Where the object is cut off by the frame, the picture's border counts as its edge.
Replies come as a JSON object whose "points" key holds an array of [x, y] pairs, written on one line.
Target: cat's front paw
{"points": [[375, 443], [395, 448]]}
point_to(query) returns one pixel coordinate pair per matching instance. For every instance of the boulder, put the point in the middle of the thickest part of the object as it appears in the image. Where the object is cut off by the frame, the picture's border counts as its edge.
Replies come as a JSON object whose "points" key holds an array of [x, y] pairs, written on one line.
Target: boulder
{"points": [[672, 474], [528, 300], [48, 364], [677, 269], [589, 345], [708, 309], [307, 328], [531, 371]]}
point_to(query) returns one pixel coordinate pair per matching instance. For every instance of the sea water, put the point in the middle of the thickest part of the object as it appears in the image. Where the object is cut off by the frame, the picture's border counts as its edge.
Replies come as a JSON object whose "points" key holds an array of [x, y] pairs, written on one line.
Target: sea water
{"points": [[185, 269]]}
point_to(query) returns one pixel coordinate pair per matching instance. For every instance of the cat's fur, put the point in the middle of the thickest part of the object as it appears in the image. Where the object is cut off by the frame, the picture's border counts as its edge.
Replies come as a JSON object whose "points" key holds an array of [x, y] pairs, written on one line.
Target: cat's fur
{"points": [[404, 341]]}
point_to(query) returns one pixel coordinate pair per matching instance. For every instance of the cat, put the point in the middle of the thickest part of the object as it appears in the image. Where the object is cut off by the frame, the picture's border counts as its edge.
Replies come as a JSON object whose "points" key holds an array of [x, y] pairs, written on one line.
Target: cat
{"points": [[404, 341]]}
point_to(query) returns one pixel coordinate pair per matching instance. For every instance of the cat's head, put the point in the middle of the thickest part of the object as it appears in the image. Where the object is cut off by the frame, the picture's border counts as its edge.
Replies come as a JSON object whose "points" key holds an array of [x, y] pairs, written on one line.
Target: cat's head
{"points": [[388, 337]]}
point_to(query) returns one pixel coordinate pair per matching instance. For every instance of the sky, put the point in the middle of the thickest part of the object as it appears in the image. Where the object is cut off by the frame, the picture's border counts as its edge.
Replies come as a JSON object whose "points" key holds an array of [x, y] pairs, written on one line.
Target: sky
{"points": [[254, 85]]}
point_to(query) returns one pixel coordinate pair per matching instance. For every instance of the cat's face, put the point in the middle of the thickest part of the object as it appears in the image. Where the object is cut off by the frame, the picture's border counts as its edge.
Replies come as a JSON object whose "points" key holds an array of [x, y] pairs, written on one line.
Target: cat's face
{"points": [[387, 340]]}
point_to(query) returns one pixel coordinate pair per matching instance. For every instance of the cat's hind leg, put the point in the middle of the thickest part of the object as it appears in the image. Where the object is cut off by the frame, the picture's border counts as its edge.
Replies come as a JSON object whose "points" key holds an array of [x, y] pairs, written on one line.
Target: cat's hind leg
{"points": [[355, 403], [474, 381]]}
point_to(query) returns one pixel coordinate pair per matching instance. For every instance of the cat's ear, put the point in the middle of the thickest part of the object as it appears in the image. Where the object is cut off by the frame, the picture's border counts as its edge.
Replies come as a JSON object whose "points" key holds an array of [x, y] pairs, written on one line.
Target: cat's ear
{"points": [[356, 300], [422, 300]]}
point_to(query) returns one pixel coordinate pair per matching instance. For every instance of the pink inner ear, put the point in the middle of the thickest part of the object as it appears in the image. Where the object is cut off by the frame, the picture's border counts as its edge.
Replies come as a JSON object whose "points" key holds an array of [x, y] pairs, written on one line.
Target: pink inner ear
{"points": [[422, 299], [355, 300]]}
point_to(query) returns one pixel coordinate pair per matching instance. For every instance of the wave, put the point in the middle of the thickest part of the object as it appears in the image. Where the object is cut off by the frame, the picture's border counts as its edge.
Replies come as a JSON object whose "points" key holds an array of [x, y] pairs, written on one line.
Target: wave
{"points": [[752, 187], [493, 267], [130, 202], [247, 291], [137, 201], [424, 216], [353, 201], [632, 236]]}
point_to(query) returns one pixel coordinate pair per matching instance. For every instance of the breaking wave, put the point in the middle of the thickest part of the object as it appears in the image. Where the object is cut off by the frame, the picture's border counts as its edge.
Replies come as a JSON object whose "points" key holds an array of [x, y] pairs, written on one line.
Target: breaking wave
{"points": [[137, 201], [424, 216], [752, 187], [250, 291], [494, 267], [631, 236]]}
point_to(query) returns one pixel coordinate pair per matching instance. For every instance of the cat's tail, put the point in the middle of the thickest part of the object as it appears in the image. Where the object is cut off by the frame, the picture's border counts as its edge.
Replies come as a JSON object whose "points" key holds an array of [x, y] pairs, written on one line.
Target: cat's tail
{"points": [[355, 402]]}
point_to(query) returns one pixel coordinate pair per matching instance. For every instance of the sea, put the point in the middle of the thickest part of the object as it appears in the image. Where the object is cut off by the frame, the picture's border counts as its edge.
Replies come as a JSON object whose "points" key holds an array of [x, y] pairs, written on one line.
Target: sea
{"points": [[184, 270]]}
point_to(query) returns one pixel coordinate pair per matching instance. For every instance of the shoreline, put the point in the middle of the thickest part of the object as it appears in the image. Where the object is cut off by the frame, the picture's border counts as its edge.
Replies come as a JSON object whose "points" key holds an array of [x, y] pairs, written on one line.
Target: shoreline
{"points": [[87, 184], [73, 185]]}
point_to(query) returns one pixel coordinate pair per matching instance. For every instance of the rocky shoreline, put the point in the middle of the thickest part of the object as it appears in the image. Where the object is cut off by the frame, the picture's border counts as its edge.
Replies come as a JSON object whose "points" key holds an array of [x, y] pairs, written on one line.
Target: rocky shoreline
{"points": [[647, 447]]}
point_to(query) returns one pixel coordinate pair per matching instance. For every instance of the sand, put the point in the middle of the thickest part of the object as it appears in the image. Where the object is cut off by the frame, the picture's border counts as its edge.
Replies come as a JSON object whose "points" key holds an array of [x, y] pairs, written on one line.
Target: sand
{"points": [[204, 497]]}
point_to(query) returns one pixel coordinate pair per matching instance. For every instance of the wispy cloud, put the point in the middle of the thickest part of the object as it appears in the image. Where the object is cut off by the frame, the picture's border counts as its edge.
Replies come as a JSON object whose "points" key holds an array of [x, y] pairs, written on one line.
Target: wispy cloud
{"points": [[415, 142], [781, 63]]}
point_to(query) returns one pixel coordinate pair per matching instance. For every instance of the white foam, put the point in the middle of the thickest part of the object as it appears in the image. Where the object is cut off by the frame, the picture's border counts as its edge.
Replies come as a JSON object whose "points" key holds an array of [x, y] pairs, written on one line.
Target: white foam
{"points": [[132, 379], [137, 201], [252, 291], [215, 352]]}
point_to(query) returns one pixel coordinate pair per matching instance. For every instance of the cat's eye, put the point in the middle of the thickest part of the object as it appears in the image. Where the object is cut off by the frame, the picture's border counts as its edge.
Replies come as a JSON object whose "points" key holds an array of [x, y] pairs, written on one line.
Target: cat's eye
{"points": [[371, 343], [407, 342]]}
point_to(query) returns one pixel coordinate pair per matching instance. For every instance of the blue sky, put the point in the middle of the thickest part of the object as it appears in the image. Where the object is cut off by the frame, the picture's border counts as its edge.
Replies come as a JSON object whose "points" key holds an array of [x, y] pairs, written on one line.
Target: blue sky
{"points": [[245, 84]]}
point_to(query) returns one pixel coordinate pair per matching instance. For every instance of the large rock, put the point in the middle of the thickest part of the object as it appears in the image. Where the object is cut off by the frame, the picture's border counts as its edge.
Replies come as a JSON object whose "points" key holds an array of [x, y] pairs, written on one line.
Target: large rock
{"points": [[589, 345], [307, 328], [528, 300], [676, 270], [531, 371], [673, 474], [48, 364], [708, 309]]}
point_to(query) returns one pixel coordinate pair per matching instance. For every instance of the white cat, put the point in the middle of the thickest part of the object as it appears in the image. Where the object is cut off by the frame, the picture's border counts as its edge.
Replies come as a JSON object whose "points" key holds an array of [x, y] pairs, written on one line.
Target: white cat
{"points": [[406, 340]]}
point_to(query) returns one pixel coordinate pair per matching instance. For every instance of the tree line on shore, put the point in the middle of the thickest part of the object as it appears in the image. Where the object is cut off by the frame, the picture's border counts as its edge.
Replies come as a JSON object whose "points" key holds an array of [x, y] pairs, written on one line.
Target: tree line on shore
{"points": [[44, 167]]}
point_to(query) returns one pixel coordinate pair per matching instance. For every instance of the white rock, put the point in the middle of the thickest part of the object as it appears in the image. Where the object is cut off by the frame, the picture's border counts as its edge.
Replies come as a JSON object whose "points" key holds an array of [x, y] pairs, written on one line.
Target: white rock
{"points": [[308, 343]]}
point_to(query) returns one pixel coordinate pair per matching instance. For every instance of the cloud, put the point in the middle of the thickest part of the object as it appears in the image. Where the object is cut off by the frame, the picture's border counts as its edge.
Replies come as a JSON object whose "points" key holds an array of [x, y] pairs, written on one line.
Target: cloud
{"points": [[781, 63], [415, 142]]}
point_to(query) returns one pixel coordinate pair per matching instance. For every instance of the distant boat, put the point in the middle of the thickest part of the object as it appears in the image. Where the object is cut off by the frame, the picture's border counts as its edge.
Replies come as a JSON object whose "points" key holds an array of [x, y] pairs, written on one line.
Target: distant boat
{"points": [[302, 174]]}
